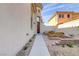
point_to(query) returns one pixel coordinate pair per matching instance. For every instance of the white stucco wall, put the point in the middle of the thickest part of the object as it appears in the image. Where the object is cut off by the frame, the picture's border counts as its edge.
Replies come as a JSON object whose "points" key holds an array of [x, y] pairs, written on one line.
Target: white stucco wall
{"points": [[47, 28], [69, 28], [69, 31], [14, 24]]}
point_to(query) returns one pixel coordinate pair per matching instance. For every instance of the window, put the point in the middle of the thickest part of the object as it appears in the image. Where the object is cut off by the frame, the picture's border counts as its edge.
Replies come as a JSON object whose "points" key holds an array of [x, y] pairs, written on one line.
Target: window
{"points": [[59, 15], [62, 16], [68, 16]]}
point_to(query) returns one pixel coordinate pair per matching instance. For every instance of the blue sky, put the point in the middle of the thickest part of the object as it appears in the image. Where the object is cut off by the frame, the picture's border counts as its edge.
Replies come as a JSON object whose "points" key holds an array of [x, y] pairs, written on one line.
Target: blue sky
{"points": [[50, 8]]}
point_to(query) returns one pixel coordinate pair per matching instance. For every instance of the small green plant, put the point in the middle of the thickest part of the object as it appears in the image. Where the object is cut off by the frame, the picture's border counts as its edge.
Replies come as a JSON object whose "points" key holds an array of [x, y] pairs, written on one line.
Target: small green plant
{"points": [[71, 44]]}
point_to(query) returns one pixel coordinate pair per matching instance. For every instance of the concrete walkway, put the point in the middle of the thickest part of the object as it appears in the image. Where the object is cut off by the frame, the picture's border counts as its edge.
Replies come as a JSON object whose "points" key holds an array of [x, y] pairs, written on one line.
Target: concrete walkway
{"points": [[39, 48]]}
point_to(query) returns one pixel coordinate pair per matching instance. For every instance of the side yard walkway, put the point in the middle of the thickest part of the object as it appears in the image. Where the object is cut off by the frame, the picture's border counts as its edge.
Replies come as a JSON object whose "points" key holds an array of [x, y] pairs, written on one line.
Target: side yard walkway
{"points": [[39, 47]]}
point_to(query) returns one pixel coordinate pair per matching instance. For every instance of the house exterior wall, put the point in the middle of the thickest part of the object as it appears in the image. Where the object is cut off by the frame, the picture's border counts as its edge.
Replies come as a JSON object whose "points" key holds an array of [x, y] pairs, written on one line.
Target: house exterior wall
{"points": [[15, 24], [34, 23], [53, 21], [39, 17], [42, 27], [64, 18], [70, 28], [38, 11], [75, 16], [67, 25], [18, 23]]}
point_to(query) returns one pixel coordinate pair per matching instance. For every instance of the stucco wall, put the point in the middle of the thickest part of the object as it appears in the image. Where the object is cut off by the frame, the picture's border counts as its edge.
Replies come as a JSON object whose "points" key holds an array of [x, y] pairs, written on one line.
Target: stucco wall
{"points": [[47, 28], [53, 21], [70, 28], [34, 23], [14, 24], [69, 31]]}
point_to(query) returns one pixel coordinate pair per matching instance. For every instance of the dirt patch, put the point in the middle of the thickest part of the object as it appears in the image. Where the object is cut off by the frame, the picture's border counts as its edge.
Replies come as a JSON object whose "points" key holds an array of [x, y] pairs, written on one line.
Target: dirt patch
{"points": [[59, 50]]}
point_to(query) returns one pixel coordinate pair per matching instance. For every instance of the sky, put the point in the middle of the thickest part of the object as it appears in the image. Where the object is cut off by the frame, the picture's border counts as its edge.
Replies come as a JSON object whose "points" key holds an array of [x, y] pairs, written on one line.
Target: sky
{"points": [[50, 8]]}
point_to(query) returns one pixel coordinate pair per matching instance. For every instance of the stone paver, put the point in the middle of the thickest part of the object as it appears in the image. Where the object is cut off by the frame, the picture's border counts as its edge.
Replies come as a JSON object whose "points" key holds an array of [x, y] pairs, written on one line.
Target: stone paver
{"points": [[39, 48]]}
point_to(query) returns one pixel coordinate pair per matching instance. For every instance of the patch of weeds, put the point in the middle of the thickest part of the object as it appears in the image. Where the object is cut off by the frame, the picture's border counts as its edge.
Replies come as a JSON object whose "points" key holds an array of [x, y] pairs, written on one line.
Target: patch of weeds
{"points": [[71, 45]]}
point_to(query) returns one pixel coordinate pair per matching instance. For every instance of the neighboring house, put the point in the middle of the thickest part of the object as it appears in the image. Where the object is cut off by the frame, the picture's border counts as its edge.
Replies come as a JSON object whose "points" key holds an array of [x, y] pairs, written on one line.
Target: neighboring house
{"points": [[70, 28], [63, 17], [18, 23], [66, 22]]}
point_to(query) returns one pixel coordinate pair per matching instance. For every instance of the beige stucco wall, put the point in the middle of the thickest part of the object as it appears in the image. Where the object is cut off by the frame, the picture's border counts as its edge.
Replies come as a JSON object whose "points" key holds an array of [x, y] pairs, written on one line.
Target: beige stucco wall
{"points": [[53, 21], [14, 24]]}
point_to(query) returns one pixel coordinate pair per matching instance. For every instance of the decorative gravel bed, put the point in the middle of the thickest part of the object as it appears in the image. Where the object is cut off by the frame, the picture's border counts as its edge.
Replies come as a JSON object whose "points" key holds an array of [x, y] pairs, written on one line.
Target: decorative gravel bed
{"points": [[27, 48], [60, 50]]}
